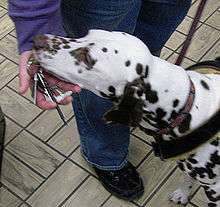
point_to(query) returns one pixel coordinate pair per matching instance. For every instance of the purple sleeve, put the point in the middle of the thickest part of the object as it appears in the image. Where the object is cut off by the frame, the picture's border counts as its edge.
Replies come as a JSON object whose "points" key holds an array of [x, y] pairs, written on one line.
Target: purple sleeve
{"points": [[33, 17]]}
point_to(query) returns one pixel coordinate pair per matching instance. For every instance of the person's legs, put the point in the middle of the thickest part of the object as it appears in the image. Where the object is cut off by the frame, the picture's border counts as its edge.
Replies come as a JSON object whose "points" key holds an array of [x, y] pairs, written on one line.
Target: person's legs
{"points": [[104, 145], [158, 19]]}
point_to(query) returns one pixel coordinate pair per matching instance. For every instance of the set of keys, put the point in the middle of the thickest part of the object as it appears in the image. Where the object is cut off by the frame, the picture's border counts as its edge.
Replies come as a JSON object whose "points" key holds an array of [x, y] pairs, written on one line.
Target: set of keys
{"points": [[40, 83]]}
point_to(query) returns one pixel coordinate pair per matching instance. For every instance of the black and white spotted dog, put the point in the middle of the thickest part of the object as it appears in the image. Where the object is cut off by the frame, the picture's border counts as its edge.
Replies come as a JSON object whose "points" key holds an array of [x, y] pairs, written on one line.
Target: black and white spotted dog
{"points": [[163, 99]]}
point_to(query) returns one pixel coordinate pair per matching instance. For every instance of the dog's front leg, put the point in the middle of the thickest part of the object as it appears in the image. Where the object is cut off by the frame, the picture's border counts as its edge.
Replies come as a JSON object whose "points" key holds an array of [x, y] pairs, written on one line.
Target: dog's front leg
{"points": [[182, 193]]}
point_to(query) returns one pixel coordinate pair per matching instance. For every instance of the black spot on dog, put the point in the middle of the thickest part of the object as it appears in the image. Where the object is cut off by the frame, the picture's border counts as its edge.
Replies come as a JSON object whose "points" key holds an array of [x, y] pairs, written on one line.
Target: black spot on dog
{"points": [[123, 33], [211, 194], [56, 47], [215, 158], [80, 71], [204, 84], [215, 142], [212, 205], [193, 174], [173, 115], [192, 160], [139, 69], [72, 40], [127, 63], [175, 103], [76, 63], [92, 43], [104, 49], [116, 51], [146, 71], [160, 113], [66, 46], [189, 166], [64, 41], [150, 95], [181, 166], [166, 90], [184, 126], [140, 92], [82, 55], [111, 89]]}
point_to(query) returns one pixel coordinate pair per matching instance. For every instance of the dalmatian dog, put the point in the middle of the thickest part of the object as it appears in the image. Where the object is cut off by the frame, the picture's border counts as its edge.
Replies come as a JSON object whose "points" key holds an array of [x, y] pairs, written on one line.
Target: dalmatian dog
{"points": [[160, 98]]}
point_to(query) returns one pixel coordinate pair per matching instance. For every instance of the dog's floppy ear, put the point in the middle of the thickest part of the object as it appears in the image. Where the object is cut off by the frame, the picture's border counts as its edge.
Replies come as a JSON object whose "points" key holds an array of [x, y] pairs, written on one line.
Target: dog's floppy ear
{"points": [[128, 112]]}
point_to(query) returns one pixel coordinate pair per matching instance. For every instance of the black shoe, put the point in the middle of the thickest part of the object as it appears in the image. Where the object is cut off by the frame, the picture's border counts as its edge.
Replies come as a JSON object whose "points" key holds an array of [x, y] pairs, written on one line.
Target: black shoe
{"points": [[124, 183]]}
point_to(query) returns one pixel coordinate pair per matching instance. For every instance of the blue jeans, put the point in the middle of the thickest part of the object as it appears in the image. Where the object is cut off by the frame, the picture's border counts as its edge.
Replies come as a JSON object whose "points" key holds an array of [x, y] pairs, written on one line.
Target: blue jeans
{"points": [[153, 21]]}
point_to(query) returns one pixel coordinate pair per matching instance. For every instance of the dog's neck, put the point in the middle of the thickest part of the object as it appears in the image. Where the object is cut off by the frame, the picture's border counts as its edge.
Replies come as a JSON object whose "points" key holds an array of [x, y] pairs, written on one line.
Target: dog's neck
{"points": [[169, 85], [166, 90]]}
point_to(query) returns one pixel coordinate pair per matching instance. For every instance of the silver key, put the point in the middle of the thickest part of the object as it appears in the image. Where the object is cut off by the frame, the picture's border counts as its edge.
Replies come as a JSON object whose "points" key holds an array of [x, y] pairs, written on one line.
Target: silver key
{"points": [[35, 88]]}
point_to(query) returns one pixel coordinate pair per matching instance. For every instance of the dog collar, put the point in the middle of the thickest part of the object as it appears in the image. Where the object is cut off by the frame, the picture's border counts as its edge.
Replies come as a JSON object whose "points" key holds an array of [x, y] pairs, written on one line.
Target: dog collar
{"points": [[182, 114], [207, 132]]}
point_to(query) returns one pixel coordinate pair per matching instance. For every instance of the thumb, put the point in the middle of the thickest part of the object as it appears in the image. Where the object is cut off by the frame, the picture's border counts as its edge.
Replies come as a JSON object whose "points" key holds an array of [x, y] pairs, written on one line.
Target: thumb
{"points": [[24, 78]]}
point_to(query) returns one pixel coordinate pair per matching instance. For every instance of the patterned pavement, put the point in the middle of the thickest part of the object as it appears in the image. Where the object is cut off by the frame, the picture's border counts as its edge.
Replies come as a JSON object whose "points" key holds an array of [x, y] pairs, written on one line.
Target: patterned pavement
{"points": [[42, 165]]}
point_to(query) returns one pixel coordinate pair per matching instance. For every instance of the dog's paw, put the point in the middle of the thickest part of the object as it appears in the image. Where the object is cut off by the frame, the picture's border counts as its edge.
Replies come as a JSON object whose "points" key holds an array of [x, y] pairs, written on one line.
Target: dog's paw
{"points": [[179, 196]]}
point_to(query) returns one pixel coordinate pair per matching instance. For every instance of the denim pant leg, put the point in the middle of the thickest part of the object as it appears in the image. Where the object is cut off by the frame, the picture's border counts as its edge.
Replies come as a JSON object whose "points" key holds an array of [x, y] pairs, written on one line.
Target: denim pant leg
{"points": [[106, 146], [103, 145], [158, 19]]}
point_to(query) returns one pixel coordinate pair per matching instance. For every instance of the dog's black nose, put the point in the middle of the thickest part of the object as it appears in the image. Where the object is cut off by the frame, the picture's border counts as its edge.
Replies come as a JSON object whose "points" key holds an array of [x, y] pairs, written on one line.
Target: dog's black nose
{"points": [[40, 42]]}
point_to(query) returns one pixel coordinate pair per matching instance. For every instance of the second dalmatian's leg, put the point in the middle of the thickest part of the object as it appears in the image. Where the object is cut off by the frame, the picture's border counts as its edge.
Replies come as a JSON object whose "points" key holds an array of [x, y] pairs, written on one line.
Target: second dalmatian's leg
{"points": [[182, 193], [213, 194]]}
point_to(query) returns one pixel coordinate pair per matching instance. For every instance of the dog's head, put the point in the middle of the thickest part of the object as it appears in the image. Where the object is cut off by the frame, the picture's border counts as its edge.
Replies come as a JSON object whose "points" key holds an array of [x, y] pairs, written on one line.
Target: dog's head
{"points": [[106, 63]]}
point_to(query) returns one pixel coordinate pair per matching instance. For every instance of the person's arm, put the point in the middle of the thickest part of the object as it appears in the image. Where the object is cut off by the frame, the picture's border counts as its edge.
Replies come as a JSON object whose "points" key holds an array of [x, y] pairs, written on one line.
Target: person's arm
{"points": [[33, 17]]}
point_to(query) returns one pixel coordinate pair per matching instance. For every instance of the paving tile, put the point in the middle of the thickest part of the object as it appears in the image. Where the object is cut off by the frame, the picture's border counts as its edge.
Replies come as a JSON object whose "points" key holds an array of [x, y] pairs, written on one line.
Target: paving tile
{"points": [[13, 33], [186, 62], [189, 205], [200, 198], [143, 135], [153, 171], [78, 158], [4, 3], [213, 53], [185, 25], [115, 202], [42, 129], [67, 139], [58, 187], [210, 7], [214, 20], [18, 178], [91, 193], [14, 84], [6, 25], [175, 40], [8, 48], [161, 197], [36, 154], [8, 70], [24, 205], [17, 107], [203, 40], [2, 58], [11, 130], [2, 11], [165, 52], [7, 199], [137, 150]]}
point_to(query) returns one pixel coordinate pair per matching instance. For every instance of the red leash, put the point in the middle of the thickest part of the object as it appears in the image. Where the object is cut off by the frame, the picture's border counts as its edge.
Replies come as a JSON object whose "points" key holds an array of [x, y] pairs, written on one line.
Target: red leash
{"points": [[191, 32]]}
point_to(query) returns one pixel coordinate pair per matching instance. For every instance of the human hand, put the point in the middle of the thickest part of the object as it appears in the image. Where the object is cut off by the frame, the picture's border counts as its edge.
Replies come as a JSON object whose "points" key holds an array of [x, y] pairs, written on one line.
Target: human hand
{"points": [[26, 81]]}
